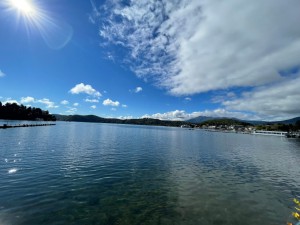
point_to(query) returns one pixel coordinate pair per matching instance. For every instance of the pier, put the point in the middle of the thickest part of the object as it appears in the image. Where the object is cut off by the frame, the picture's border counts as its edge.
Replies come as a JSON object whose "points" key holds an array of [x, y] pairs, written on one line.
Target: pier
{"points": [[5, 126]]}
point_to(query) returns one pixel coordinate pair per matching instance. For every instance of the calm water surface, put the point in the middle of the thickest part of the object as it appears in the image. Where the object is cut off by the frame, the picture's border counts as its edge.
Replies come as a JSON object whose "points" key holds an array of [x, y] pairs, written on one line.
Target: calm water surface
{"points": [[81, 173]]}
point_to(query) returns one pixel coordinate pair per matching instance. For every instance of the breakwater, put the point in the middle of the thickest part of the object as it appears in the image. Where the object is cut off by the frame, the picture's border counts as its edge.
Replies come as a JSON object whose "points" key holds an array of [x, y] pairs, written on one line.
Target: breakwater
{"points": [[5, 126]]}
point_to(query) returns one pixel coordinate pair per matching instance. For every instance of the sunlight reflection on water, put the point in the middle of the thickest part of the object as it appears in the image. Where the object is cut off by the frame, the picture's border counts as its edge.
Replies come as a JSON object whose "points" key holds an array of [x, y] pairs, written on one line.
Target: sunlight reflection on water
{"points": [[12, 170]]}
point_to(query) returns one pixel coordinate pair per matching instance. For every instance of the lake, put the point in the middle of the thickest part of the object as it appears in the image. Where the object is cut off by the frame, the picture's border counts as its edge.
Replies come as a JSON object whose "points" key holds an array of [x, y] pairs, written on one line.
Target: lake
{"points": [[85, 173]]}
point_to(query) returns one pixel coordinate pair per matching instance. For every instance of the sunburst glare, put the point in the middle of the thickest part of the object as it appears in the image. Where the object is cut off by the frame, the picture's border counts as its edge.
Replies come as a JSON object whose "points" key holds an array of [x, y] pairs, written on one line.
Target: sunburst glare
{"points": [[25, 7], [27, 12], [55, 32]]}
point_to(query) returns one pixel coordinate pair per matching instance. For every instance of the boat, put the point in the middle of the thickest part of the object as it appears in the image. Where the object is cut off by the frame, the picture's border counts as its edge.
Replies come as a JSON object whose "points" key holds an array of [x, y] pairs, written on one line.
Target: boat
{"points": [[185, 126], [271, 133]]}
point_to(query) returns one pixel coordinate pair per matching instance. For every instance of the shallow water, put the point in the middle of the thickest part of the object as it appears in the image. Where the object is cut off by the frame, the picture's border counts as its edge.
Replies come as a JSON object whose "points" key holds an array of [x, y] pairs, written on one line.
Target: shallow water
{"points": [[84, 173]]}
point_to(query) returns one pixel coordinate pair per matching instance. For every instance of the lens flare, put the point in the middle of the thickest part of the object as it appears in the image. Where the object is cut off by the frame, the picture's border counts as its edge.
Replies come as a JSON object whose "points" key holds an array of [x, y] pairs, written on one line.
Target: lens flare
{"points": [[55, 32], [25, 7]]}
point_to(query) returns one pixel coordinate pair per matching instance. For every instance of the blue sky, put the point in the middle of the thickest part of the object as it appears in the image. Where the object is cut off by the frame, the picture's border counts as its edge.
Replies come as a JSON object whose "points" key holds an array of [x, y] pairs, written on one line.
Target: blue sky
{"points": [[160, 59]]}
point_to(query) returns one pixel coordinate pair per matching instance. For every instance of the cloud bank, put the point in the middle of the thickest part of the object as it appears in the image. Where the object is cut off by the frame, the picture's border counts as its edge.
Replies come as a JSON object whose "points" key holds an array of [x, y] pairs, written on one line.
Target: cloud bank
{"points": [[183, 115], [193, 46], [279, 99], [28, 99], [198, 46], [10, 101]]}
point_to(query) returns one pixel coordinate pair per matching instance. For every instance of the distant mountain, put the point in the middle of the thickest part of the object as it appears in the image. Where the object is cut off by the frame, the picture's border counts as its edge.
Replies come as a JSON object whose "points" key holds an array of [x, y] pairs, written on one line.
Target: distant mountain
{"points": [[96, 119], [200, 119], [80, 118], [255, 122], [148, 121], [286, 122], [224, 121]]}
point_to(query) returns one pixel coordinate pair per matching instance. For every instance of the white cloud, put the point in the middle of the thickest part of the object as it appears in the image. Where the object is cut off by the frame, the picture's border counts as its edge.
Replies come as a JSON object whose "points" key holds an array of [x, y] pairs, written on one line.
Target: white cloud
{"points": [[11, 101], [91, 100], [220, 112], [93, 106], [272, 102], [71, 110], [26, 100], [109, 102], [223, 96], [64, 102], [124, 106], [95, 13], [87, 89], [2, 74], [125, 117], [138, 89], [182, 115], [194, 46], [173, 115], [231, 94], [47, 102], [188, 99], [113, 109], [76, 104]]}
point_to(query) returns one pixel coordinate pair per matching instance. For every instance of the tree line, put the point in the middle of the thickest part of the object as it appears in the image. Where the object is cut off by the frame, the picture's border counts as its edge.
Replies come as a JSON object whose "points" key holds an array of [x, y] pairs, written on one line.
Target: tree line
{"points": [[13, 111], [96, 119], [281, 127]]}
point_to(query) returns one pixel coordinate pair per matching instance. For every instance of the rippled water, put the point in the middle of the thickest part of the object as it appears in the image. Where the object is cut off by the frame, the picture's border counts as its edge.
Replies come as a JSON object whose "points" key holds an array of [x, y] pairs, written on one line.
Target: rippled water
{"points": [[80, 173]]}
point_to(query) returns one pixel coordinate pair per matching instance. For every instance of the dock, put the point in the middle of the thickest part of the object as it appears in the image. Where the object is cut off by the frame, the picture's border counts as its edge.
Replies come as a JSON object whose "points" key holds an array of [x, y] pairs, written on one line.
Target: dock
{"points": [[5, 126]]}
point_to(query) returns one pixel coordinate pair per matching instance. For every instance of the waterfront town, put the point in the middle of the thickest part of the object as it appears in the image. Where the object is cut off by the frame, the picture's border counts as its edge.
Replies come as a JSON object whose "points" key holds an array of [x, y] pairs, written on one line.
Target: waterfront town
{"points": [[290, 131]]}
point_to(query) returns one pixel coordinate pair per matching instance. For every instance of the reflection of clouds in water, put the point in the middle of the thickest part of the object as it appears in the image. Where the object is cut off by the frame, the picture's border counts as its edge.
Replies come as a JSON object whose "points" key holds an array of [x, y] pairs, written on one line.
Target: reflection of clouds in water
{"points": [[75, 154], [212, 169], [274, 156]]}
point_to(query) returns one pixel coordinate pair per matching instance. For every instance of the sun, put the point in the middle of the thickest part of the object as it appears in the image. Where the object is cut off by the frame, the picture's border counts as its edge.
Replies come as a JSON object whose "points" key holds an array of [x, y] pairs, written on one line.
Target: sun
{"points": [[32, 16], [25, 7]]}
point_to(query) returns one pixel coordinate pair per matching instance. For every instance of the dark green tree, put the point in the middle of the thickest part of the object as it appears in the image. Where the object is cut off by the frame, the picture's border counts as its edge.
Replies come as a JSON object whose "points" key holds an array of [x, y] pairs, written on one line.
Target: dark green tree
{"points": [[13, 111]]}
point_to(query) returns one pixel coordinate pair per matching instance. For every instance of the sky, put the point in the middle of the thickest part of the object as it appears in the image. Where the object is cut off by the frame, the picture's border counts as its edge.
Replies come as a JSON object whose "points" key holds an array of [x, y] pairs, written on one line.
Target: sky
{"points": [[162, 59]]}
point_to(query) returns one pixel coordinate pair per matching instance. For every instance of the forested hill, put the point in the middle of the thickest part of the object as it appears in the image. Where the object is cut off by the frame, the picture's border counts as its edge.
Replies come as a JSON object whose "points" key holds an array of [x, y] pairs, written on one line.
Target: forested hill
{"points": [[13, 111], [96, 119], [225, 121], [145, 121]]}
